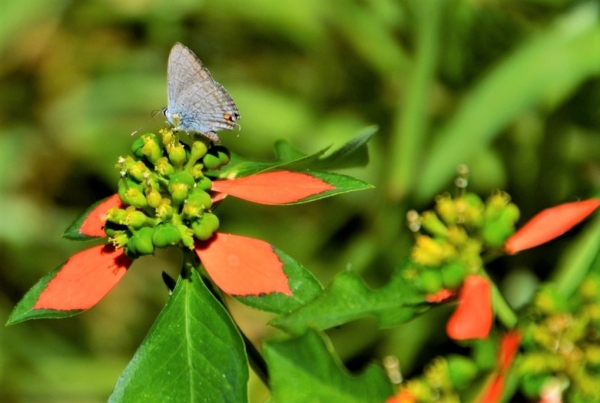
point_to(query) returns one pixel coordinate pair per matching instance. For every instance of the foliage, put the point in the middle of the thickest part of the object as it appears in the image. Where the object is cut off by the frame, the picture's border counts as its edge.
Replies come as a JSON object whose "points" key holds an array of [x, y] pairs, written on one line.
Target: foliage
{"points": [[509, 88]]}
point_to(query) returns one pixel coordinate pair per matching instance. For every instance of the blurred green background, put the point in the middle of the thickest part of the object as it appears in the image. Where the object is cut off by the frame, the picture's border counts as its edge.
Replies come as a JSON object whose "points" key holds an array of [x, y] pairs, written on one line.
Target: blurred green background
{"points": [[510, 88]]}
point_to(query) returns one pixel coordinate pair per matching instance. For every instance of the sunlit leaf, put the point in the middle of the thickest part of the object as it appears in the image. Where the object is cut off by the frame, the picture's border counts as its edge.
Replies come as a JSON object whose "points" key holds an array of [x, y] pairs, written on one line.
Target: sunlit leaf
{"points": [[348, 298], [193, 353]]}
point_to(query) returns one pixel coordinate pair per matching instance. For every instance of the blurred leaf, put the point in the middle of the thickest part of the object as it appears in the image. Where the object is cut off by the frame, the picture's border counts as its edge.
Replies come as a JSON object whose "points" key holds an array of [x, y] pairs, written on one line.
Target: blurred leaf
{"points": [[576, 261], [193, 353], [302, 283], [304, 369], [553, 63], [348, 298]]}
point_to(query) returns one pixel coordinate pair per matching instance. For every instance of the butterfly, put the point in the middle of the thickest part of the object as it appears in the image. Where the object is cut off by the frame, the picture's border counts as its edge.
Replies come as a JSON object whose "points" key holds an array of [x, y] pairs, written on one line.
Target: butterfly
{"points": [[196, 103]]}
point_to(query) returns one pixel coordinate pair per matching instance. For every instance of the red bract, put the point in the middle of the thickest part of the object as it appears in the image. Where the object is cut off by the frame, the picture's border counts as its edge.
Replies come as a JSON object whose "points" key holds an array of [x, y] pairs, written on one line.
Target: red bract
{"points": [[243, 266], [473, 317], [238, 265], [84, 279], [404, 396], [281, 187], [550, 224], [508, 348]]}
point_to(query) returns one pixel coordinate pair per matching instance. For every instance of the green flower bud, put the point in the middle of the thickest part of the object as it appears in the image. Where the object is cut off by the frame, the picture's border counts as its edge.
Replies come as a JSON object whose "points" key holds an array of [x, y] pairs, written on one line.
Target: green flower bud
{"points": [[179, 192], [462, 371], [136, 147], [167, 136], [198, 150], [165, 234], [211, 161], [152, 149], [446, 209], [182, 177], [135, 219], [473, 214], [197, 171], [431, 281], [138, 171], [223, 154], [153, 197], [495, 233], [453, 275], [495, 205], [550, 301], [177, 155], [116, 215], [531, 384], [187, 238], [119, 239], [164, 211], [141, 241], [201, 198], [164, 167], [204, 184], [432, 224], [204, 228], [132, 193]]}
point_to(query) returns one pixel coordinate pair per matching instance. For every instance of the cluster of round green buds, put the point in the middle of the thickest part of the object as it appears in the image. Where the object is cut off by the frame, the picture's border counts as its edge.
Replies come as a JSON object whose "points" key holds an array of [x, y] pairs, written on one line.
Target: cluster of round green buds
{"points": [[561, 344], [451, 238], [166, 193], [442, 380]]}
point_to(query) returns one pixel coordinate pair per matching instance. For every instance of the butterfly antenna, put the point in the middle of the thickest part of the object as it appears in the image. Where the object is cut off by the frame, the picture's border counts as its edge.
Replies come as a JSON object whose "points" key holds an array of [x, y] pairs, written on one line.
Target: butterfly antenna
{"points": [[152, 116]]}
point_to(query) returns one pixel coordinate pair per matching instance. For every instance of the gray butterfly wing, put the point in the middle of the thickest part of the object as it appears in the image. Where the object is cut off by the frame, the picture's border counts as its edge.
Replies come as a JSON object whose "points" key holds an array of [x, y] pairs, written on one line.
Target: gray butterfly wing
{"points": [[201, 104]]}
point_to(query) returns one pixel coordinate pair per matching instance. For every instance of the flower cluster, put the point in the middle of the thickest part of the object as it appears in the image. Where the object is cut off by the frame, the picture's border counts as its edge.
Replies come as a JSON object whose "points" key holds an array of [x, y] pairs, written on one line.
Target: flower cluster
{"points": [[166, 197], [447, 256], [165, 186], [561, 343]]}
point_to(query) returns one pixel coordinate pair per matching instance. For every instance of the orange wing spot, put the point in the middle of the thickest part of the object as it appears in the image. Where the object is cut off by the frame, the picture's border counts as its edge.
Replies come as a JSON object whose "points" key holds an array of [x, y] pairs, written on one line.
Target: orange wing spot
{"points": [[228, 117]]}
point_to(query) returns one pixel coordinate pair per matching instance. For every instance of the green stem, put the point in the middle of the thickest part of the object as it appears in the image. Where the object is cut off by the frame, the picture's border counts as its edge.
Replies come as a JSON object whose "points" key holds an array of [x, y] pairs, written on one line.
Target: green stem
{"points": [[503, 311]]}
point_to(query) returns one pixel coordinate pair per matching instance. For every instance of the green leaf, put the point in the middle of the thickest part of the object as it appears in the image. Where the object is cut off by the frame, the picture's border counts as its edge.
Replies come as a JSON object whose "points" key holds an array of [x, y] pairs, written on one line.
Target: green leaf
{"points": [[303, 284], [545, 69], [348, 298], [193, 353], [304, 369], [353, 153]]}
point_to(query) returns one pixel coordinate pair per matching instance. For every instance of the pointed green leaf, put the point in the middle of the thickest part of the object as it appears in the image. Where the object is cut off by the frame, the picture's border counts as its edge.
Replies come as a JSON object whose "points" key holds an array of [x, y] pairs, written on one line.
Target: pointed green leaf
{"points": [[352, 154], [302, 283], [193, 353], [348, 298], [304, 369]]}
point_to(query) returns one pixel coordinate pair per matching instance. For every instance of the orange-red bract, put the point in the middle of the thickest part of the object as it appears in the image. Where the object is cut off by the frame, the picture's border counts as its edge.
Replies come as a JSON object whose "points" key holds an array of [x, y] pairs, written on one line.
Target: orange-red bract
{"points": [[84, 279], [473, 317], [278, 187], [549, 224], [440, 296], [508, 348], [404, 396], [93, 225], [243, 266]]}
